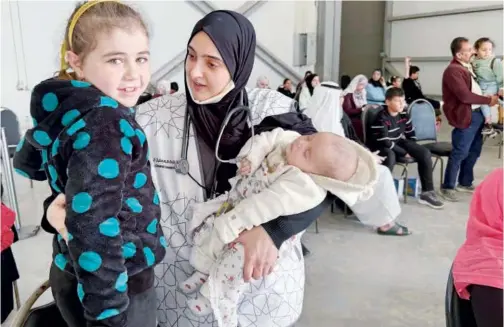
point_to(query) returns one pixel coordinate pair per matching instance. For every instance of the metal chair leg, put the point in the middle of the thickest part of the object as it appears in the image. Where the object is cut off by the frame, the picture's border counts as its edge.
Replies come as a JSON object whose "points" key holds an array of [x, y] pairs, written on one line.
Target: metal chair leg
{"points": [[316, 226], [345, 211], [441, 174], [332, 207], [16, 295], [406, 184], [31, 183]]}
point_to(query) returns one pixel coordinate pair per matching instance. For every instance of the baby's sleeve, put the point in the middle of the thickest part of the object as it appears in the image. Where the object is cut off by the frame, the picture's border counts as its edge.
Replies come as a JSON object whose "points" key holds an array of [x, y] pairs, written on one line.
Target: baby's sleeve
{"points": [[292, 193], [99, 162], [28, 161]]}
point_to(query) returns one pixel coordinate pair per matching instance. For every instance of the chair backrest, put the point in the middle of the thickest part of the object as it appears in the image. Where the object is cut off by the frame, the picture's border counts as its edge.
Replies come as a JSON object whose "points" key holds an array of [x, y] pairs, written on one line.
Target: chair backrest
{"points": [[458, 312], [423, 118], [10, 122], [368, 117]]}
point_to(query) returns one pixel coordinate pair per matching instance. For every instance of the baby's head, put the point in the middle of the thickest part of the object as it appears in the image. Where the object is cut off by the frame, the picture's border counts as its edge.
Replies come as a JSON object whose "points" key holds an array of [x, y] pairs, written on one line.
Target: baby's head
{"points": [[324, 154], [107, 44], [484, 47]]}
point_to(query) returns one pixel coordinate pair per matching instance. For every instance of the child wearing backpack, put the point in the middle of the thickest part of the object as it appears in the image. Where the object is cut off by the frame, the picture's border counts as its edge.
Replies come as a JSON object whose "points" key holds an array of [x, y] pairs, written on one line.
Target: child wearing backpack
{"points": [[488, 70], [95, 155]]}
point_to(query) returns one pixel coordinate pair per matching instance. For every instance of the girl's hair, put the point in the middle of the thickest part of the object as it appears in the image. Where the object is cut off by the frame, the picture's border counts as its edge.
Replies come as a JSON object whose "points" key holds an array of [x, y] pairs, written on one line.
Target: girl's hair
{"points": [[482, 40], [101, 17], [392, 80]]}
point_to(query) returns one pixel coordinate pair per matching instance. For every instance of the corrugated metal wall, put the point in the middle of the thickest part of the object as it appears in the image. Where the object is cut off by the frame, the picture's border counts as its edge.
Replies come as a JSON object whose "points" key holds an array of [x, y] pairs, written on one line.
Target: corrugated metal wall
{"points": [[423, 30]]}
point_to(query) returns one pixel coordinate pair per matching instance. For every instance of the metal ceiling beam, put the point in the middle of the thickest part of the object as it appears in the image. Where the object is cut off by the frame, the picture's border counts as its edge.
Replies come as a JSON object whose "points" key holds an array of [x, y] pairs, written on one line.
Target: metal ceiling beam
{"points": [[328, 39], [425, 59], [262, 52], [440, 13]]}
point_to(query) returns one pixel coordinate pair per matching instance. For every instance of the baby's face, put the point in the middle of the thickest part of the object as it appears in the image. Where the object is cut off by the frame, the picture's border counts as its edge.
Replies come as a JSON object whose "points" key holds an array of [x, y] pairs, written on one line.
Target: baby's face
{"points": [[317, 153], [485, 50]]}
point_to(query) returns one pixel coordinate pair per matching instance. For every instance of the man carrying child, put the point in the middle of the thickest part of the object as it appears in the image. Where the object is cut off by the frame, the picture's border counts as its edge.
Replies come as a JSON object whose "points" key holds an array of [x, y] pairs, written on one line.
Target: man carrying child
{"points": [[393, 135]]}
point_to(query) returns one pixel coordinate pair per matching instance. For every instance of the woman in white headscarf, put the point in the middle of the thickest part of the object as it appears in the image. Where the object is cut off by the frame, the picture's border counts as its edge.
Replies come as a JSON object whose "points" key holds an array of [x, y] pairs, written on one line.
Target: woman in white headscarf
{"points": [[382, 209], [354, 99]]}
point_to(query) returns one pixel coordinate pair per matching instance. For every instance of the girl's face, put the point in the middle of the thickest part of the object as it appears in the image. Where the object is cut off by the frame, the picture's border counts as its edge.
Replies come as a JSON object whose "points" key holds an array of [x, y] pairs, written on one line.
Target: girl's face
{"points": [[315, 81], [119, 66], [206, 73], [485, 50], [397, 82], [376, 75]]}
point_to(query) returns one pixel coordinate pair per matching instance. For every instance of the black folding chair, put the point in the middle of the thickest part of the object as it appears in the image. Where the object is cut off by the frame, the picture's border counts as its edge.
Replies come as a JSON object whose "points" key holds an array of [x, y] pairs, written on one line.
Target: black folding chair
{"points": [[423, 118], [458, 312]]}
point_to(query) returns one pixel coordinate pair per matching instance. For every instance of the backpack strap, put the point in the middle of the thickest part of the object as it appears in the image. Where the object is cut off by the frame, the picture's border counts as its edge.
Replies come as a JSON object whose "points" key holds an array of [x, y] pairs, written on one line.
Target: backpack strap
{"points": [[492, 63]]}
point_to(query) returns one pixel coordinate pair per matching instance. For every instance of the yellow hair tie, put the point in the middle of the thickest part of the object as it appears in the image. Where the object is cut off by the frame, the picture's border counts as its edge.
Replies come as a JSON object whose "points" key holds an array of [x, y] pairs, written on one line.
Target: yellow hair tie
{"points": [[75, 18]]}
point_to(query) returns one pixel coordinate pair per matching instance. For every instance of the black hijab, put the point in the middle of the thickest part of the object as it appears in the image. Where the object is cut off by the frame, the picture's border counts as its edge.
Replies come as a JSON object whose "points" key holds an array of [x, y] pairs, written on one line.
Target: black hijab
{"points": [[235, 39], [308, 81], [373, 82]]}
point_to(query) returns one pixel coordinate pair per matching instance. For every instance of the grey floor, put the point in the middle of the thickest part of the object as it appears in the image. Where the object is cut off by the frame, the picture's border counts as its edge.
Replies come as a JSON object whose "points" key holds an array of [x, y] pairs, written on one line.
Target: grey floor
{"points": [[354, 277]]}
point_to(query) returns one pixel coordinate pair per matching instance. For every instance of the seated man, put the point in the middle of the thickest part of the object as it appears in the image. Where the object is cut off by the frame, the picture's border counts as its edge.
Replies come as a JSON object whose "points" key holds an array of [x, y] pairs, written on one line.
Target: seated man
{"points": [[413, 89], [394, 136]]}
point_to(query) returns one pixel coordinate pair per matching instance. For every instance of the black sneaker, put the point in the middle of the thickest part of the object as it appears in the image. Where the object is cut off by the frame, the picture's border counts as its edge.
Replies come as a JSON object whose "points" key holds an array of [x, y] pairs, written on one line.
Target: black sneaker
{"points": [[430, 199], [465, 189]]}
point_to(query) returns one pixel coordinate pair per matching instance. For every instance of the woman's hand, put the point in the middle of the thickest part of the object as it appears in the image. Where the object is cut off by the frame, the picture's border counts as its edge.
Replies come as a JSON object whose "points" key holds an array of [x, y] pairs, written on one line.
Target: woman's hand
{"points": [[56, 214], [379, 159], [260, 253]]}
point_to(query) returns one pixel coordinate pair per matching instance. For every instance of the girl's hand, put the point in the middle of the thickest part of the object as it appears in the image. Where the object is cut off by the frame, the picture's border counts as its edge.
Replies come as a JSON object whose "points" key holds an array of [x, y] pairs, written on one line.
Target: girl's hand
{"points": [[56, 214]]}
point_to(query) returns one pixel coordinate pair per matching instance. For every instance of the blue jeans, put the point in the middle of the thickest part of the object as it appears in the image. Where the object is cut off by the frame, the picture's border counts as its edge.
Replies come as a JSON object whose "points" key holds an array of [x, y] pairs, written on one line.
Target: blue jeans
{"points": [[466, 149], [488, 88]]}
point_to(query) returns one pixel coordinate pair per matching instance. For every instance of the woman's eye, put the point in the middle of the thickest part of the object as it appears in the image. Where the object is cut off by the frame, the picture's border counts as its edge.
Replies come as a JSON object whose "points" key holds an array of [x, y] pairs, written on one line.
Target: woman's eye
{"points": [[115, 61], [191, 56], [212, 65], [142, 60]]}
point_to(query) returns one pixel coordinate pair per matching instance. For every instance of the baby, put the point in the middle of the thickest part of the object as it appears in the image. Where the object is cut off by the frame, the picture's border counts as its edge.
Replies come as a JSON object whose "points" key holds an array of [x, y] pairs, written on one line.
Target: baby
{"points": [[488, 70], [284, 174]]}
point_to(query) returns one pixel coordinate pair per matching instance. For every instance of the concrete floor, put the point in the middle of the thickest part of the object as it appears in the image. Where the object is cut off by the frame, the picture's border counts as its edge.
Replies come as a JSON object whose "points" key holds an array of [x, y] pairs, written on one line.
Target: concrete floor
{"points": [[354, 277]]}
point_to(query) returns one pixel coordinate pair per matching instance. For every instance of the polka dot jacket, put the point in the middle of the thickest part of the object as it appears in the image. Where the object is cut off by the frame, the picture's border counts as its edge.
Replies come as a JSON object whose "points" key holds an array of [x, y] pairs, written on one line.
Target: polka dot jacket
{"points": [[91, 148]]}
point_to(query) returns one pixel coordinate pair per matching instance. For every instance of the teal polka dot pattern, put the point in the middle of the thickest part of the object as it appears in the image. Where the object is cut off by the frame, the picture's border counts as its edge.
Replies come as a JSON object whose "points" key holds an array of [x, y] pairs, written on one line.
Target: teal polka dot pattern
{"points": [[69, 117], [76, 83], [55, 146], [78, 125], [152, 227], [132, 111], [55, 187], [60, 238], [162, 241], [129, 250], [70, 237], [60, 261], [34, 122], [134, 205], [52, 172], [43, 153], [149, 256], [141, 136], [156, 198], [107, 314], [81, 141], [108, 168], [80, 292], [81, 202], [19, 146], [126, 128], [108, 102], [121, 284], [126, 145], [20, 172], [140, 180], [90, 261], [49, 102], [42, 138], [110, 227]]}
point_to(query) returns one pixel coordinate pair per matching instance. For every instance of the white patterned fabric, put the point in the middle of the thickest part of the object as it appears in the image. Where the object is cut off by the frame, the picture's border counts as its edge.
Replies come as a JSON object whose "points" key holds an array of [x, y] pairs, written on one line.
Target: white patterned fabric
{"points": [[274, 301]]}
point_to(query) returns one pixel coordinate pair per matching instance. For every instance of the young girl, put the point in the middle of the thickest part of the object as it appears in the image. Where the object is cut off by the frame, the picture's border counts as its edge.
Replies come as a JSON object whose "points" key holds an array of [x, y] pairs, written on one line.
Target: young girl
{"points": [[94, 152], [488, 70]]}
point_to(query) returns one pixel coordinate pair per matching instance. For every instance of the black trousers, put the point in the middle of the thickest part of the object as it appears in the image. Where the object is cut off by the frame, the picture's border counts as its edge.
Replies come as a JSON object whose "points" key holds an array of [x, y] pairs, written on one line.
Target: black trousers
{"points": [[422, 156], [141, 312], [486, 302]]}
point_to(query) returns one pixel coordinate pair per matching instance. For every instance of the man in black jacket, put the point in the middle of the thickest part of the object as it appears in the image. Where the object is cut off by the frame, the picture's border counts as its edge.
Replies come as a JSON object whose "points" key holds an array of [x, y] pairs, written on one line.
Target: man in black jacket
{"points": [[413, 90]]}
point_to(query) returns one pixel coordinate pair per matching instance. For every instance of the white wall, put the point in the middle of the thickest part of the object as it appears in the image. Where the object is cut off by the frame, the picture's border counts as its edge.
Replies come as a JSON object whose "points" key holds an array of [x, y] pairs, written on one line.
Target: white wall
{"points": [[431, 36], [39, 26]]}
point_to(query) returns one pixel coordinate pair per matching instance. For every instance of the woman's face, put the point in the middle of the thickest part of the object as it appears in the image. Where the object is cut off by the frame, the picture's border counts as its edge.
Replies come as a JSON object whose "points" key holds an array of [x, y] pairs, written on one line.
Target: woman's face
{"points": [[206, 73], [361, 85], [376, 75], [315, 81]]}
